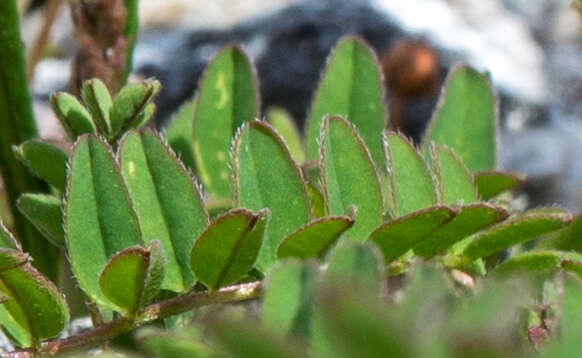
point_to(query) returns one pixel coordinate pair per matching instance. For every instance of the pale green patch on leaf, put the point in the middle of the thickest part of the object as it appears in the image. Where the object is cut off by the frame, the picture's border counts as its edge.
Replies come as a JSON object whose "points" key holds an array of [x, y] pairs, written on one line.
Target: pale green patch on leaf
{"points": [[45, 161], [46, 214], [265, 176], [74, 118], [180, 135], [411, 184], [469, 220], [455, 182], [349, 177], [466, 119], [493, 182], [396, 237], [99, 217], [227, 97], [315, 238], [357, 265], [513, 231], [351, 87], [228, 248], [98, 101], [133, 276], [283, 123], [166, 200], [288, 300]]}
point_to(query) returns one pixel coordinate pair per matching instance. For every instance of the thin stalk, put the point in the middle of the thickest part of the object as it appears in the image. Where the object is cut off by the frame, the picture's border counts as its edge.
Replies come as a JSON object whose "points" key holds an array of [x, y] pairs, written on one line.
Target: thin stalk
{"points": [[130, 33], [151, 313], [17, 125]]}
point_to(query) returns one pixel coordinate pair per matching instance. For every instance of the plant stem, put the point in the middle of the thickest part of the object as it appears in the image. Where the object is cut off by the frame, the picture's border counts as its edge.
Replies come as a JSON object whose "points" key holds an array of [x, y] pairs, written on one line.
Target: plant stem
{"points": [[130, 33], [153, 312], [17, 125]]}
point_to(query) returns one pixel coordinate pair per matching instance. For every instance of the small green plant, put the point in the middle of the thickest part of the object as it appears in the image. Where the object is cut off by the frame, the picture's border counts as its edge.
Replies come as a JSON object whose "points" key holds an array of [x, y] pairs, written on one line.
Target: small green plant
{"points": [[358, 242]]}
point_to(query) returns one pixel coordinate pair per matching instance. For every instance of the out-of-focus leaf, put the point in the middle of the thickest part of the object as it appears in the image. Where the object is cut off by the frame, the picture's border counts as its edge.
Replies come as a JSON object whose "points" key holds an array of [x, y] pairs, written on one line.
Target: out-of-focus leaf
{"points": [[359, 265], [180, 135], [287, 129], [493, 182]]}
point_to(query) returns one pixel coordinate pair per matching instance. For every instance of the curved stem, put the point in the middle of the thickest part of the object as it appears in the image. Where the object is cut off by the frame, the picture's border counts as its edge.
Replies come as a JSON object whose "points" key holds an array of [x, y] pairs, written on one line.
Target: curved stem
{"points": [[153, 312]]}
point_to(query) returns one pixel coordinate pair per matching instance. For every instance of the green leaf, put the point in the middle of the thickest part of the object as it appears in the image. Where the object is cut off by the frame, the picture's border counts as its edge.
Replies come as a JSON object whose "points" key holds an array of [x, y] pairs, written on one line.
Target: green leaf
{"points": [[99, 217], [317, 201], [455, 182], [287, 129], [411, 184], [227, 97], [163, 344], [359, 265], [179, 133], [396, 237], [74, 118], [45, 160], [35, 309], [265, 176], [133, 276], [166, 200], [349, 177], [351, 87], [538, 263], [98, 101], [228, 248], [513, 231], [315, 238], [469, 220], [130, 103], [288, 299], [567, 239], [466, 119], [46, 214], [571, 324], [492, 183]]}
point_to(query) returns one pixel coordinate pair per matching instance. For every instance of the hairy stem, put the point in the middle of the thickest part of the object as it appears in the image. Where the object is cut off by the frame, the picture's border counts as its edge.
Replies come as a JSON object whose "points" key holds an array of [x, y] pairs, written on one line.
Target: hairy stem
{"points": [[153, 312]]}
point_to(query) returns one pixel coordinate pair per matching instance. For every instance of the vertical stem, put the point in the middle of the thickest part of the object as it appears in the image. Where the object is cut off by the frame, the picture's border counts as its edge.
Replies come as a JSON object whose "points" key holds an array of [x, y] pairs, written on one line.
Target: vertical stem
{"points": [[17, 125], [130, 33]]}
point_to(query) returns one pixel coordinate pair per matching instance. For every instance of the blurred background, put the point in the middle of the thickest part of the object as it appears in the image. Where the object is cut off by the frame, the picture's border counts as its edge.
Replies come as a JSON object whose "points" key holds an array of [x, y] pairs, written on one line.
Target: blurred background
{"points": [[531, 48]]}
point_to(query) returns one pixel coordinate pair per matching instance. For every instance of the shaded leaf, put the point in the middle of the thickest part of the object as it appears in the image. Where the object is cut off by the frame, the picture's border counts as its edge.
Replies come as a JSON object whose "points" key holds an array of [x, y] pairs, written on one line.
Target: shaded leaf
{"points": [[34, 309], [227, 97], [287, 129], [99, 217], [315, 238], [317, 201], [514, 231], [492, 183], [566, 239], [469, 220], [74, 118], [133, 276], [228, 248], [455, 182], [98, 101], [45, 160], [396, 237], [351, 87], [265, 176], [173, 345], [466, 119], [411, 185], [359, 265], [349, 177], [46, 214], [166, 200], [533, 263], [179, 133], [288, 299]]}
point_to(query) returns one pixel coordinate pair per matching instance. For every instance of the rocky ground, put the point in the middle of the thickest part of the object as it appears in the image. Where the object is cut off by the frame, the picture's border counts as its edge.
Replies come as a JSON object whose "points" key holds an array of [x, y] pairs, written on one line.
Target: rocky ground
{"points": [[532, 49]]}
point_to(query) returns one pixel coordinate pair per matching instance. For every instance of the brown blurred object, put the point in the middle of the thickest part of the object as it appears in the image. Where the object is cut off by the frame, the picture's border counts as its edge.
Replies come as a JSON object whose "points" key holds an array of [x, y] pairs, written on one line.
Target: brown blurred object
{"points": [[577, 5], [99, 25], [50, 13], [411, 70]]}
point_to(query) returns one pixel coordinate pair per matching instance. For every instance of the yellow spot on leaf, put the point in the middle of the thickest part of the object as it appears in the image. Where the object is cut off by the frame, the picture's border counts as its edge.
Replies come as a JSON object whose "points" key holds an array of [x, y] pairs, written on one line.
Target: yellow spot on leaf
{"points": [[201, 168], [221, 87]]}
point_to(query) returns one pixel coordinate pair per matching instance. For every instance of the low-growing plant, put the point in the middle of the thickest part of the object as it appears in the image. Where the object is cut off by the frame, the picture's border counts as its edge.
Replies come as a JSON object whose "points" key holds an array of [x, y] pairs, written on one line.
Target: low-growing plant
{"points": [[356, 241]]}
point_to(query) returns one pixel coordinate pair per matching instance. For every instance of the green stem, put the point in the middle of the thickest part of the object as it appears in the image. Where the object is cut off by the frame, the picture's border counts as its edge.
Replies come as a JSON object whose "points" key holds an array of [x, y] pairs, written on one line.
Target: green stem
{"points": [[130, 33], [17, 125], [153, 312]]}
